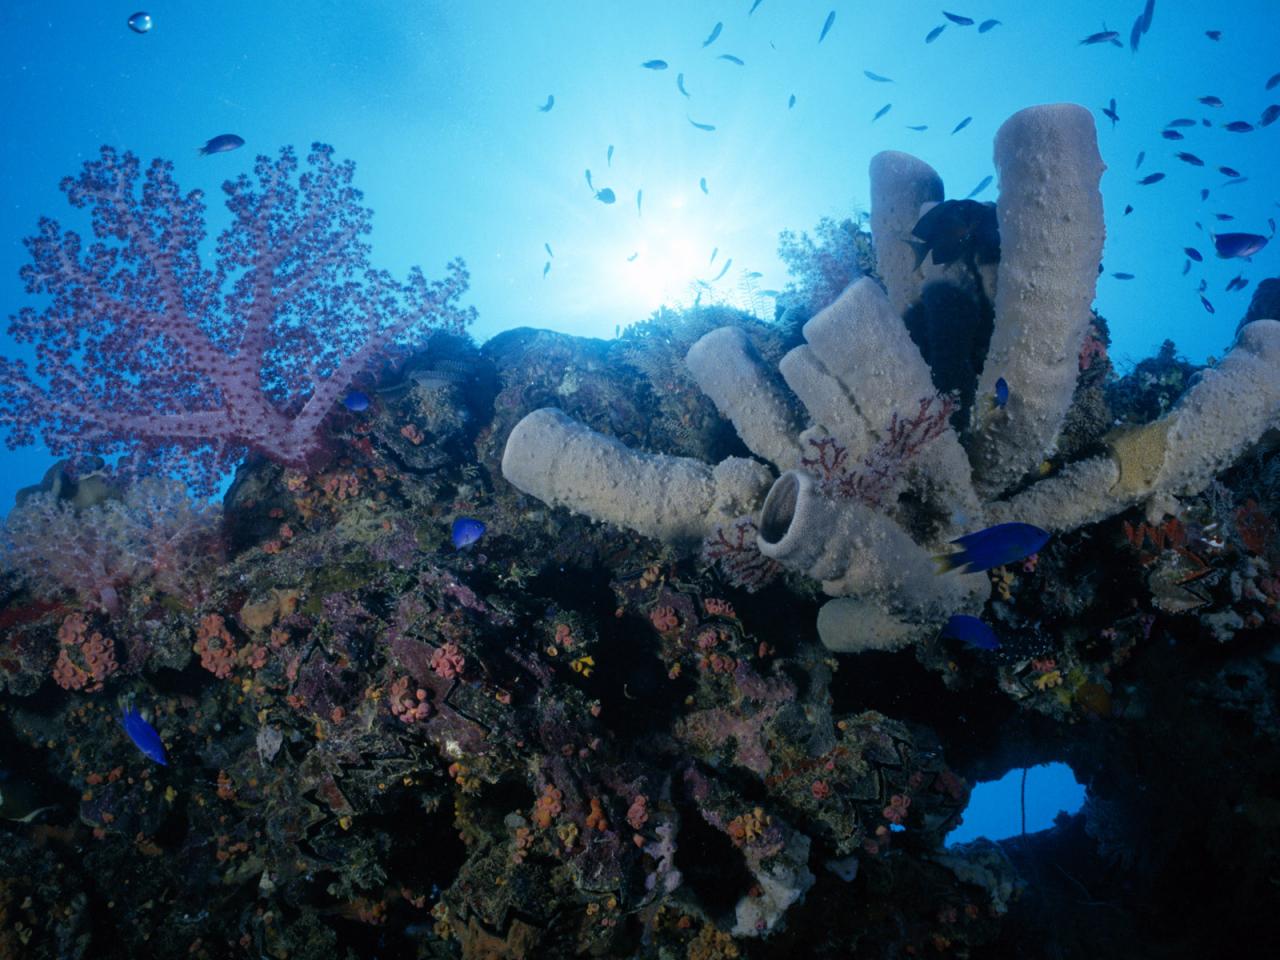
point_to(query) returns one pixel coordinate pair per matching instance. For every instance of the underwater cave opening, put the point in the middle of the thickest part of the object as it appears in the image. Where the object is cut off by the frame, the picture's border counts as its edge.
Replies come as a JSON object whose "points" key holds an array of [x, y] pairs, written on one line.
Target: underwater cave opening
{"points": [[1024, 800]]}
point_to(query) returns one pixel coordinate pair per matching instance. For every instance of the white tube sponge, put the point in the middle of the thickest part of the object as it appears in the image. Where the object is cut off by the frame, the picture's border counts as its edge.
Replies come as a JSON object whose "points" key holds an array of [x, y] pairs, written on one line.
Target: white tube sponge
{"points": [[1051, 233], [900, 183], [727, 370], [674, 499]]}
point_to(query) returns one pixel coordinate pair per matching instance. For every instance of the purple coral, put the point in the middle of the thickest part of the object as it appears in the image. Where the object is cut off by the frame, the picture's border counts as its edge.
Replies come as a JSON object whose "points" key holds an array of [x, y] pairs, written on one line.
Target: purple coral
{"points": [[143, 349]]}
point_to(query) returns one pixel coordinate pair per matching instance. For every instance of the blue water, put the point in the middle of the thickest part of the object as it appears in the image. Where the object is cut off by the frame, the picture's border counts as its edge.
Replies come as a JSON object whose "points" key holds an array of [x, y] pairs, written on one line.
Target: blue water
{"points": [[996, 810], [437, 103]]}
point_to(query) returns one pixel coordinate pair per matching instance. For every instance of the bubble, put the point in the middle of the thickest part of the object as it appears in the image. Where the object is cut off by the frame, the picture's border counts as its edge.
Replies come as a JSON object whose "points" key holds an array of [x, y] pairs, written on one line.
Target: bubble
{"points": [[140, 22]]}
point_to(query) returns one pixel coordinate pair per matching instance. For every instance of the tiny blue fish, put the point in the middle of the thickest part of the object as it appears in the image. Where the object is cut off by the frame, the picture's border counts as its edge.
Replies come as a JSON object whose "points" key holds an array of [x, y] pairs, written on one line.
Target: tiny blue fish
{"points": [[791, 101], [546, 107], [972, 631], [606, 195], [958, 18], [993, 547], [934, 34], [466, 531], [702, 126], [140, 22], [654, 64], [222, 143], [882, 111], [878, 78], [962, 124], [982, 185], [143, 735], [608, 157], [680, 84], [357, 401], [986, 25], [1002, 392], [546, 268], [738, 61], [723, 270], [702, 184], [826, 27], [715, 32], [1123, 276]]}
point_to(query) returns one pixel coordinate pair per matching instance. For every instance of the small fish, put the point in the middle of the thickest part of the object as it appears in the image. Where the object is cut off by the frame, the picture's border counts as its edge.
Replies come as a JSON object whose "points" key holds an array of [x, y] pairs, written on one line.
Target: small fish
{"points": [[1210, 101], [1207, 305], [654, 64], [919, 127], [1223, 216], [1106, 36], [1142, 155], [1204, 285], [702, 184], [961, 125], [986, 25], [715, 32], [1128, 209], [791, 101], [882, 111], [1135, 34], [753, 7], [1151, 178], [680, 84], [631, 259], [1193, 253], [958, 19], [639, 198], [608, 157], [590, 185], [465, 532], [826, 27], [970, 630], [713, 256], [546, 268], [1269, 115], [143, 735], [1110, 113], [1147, 12], [605, 196], [357, 401], [934, 34], [1243, 245], [731, 58], [993, 547], [876, 77], [1238, 126], [1190, 158], [1234, 181], [771, 293], [1181, 122], [1213, 34], [1002, 392], [982, 185], [701, 126], [1186, 267], [1237, 283], [222, 143], [546, 107], [1229, 171], [1123, 276], [723, 270], [754, 275], [1273, 82], [1172, 135]]}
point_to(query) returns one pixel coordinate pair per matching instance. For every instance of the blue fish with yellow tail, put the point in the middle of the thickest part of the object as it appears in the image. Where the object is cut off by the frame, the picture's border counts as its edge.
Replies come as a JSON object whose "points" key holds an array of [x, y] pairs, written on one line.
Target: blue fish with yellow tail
{"points": [[142, 734], [972, 631], [993, 547]]}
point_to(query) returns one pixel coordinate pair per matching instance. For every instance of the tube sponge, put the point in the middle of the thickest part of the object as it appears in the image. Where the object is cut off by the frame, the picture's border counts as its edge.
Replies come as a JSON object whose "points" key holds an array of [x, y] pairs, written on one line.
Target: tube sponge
{"points": [[900, 184], [675, 499], [1051, 233]]}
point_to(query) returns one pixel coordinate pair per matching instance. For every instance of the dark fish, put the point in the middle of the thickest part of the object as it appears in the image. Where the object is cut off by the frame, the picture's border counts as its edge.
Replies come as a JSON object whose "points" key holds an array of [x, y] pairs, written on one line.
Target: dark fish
{"points": [[703, 184], [465, 532], [934, 34], [654, 64], [680, 84], [1234, 181], [546, 268], [547, 247], [970, 630], [962, 124], [546, 107], [605, 196], [1204, 285], [1236, 283], [1207, 305], [1181, 122], [1128, 209], [357, 401], [731, 58], [714, 251], [1135, 34], [876, 77], [608, 156], [1239, 126], [590, 186], [957, 18], [1229, 172], [1172, 135], [882, 111], [826, 27], [1190, 158], [791, 101], [1151, 178], [1210, 101], [993, 547], [958, 230], [1002, 392], [632, 258], [1147, 13], [1193, 253], [1110, 113], [723, 270], [702, 126], [1142, 155], [1123, 276], [1213, 34], [222, 143], [715, 32], [1106, 36], [639, 197], [1224, 216], [753, 7], [1242, 245], [143, 735], [918, 127], [982, 185], [1273, 82], [1204, 194], [1186, 267], [986, 25], [1269, 115]]}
